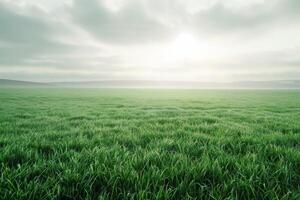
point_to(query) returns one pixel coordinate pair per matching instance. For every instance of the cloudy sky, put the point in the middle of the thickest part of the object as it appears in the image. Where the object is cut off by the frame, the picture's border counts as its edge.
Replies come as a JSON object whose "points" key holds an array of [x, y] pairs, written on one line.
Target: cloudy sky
{"points": [[182, 40]]}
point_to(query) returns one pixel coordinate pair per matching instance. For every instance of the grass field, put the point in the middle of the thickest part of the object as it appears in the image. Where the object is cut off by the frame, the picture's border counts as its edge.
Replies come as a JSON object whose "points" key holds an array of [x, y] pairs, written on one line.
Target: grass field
{"points": [[149, 144]]}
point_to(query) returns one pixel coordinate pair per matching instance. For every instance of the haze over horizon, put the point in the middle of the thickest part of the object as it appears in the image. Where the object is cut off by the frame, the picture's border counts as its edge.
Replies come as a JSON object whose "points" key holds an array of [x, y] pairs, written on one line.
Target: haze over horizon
{"points": [[160, 40]]}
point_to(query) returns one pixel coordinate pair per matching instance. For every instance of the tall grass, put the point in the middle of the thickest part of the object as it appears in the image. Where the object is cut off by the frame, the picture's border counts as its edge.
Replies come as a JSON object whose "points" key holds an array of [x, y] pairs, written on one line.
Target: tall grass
{"points": [[149, 144]]}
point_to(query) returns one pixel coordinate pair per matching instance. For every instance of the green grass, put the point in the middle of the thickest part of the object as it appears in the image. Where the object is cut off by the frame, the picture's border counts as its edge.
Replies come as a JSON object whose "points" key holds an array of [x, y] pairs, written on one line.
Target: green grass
{"points": [[149, 144]]}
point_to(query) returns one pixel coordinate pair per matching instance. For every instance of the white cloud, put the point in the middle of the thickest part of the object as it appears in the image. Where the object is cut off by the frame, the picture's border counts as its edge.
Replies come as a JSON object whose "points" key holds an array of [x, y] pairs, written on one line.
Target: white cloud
{"points": [[149, 39]]}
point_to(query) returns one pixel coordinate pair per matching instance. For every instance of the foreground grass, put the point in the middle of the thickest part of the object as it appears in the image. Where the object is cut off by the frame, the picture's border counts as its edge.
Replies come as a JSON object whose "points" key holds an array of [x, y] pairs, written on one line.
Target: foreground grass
{"points": [[149, 144]]}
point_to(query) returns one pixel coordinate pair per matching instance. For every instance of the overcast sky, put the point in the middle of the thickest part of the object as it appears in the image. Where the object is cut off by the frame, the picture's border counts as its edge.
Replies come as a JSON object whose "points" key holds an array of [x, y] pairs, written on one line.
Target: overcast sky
{"points": [[182, 40]]}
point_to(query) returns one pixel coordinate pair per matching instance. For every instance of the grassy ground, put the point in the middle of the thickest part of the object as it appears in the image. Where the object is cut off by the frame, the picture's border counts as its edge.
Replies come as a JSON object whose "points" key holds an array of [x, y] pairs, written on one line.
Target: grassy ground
{"points": [[149, 144]]}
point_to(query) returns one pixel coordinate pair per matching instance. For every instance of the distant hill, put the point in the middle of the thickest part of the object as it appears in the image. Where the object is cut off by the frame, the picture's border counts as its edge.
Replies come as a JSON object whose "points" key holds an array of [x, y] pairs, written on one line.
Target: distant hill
{"points": [[288, 84], [20, 84]]}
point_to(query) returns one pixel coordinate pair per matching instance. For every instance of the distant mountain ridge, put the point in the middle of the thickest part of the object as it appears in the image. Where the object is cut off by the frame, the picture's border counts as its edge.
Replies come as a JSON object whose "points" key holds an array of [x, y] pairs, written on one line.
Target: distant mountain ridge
{"points": [[18, 83], [284, 84]]}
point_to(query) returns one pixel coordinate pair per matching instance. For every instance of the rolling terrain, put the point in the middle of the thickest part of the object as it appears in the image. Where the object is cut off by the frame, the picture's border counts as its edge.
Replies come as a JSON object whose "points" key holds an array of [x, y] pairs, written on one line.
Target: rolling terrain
{"points": [[142, 84]]}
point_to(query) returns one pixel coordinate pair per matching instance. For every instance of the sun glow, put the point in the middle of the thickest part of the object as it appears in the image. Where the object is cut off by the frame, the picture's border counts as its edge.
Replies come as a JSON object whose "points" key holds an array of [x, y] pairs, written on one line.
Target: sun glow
{"points": [[184, 57], [185, 47]]}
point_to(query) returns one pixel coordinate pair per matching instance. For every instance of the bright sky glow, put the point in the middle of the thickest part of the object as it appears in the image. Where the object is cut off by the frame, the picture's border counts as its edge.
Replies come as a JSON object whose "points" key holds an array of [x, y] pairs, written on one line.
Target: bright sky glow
{"points": [[53, 40]]}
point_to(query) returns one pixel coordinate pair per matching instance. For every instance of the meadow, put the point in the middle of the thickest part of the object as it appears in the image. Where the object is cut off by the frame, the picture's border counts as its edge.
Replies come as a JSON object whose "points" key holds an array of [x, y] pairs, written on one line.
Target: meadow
{"points": [[149, 144]]}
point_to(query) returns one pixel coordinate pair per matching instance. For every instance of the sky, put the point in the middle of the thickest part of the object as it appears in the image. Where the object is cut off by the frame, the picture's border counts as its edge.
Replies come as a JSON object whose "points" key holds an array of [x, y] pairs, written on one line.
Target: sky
{"points": [[163, 40]]}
